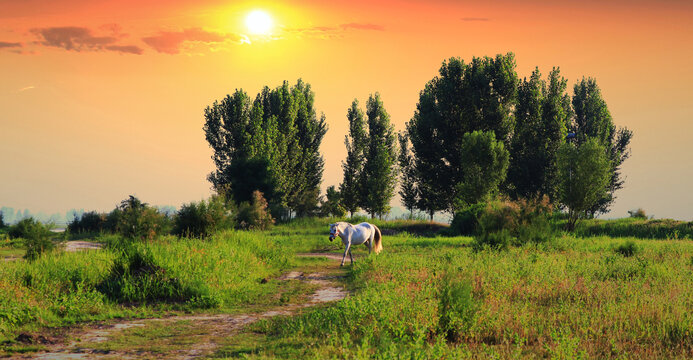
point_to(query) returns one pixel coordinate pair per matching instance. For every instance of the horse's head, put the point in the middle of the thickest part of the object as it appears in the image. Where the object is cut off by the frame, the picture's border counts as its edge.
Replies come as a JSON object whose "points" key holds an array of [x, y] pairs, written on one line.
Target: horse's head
{"points": [[334, 231]]}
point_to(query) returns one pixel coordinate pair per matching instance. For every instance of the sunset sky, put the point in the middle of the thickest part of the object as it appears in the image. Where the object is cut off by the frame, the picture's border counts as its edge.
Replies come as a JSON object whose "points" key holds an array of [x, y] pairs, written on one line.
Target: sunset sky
{"points": [[102, 98]]}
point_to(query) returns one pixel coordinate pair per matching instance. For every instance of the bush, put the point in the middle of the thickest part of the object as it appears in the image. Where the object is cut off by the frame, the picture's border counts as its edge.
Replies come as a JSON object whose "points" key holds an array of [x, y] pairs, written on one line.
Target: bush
{"points": [[505, 222], [89, 222], [627, 249], [456, 308], [2, 221], [466, 221], [136, 220], [639, 213], [203, 219], [36, 237], [135, 277], [253, 215]]}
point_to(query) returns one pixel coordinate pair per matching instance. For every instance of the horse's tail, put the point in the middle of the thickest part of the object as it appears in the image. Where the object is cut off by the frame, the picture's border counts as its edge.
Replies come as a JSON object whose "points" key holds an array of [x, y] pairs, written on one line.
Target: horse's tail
{"points": [[377, 240]]}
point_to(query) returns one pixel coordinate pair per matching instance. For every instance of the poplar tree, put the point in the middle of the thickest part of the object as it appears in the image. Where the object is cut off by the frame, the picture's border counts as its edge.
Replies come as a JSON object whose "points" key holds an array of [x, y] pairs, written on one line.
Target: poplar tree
{"points": [[593, 121], [379, 175], [356, 142], [542, 116], [270, 144], [408, 191], [463, 98]]}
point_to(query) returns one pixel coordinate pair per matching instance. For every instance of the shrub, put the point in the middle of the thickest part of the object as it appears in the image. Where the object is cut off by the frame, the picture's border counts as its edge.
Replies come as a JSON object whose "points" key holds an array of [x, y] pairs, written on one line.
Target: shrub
{"points": [[627, 249], [135, 277], [465, 221], [136, 220], [639, 213], [505, 222], [88, 222], [253, 215], [456, 308], [203, 219], [36, 237]]}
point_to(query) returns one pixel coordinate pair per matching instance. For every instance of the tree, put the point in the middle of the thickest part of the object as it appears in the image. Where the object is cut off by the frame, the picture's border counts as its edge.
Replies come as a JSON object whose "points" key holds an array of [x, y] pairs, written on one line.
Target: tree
{"points": [[484, 167], [2, 221], [277, 136], [584, 172], [379, 175], [353, 166], [542, 116], [137, 220], [593, 121], [463, 98], [332, 206], [408, 191]]}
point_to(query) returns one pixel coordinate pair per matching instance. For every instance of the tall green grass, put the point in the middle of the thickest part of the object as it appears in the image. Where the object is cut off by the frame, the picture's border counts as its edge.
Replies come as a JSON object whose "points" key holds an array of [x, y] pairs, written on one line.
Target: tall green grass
{"points": [[639, 228], [138, 278], [570, 298]]}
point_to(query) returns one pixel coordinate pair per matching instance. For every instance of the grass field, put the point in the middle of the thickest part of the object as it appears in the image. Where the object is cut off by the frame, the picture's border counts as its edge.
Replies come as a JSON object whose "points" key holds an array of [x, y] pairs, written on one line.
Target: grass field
{"points": [[422, 297]]}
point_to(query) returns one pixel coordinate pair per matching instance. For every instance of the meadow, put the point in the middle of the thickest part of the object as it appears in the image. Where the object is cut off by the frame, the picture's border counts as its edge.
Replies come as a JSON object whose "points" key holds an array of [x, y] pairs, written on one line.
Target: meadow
{"points": [[424, 296]]}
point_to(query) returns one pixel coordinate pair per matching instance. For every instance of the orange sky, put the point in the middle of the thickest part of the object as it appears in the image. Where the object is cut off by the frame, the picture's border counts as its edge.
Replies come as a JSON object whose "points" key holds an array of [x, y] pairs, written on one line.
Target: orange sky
{"points": [[100, 99]]}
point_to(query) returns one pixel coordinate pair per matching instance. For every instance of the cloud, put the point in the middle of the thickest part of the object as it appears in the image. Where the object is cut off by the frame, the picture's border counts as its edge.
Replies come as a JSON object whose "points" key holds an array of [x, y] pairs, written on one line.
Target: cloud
{"points": [[6, 45], [73, 38], [171, 42], [25, 89], [331, 32], [126, 49], [475, 19], [358, 26]]}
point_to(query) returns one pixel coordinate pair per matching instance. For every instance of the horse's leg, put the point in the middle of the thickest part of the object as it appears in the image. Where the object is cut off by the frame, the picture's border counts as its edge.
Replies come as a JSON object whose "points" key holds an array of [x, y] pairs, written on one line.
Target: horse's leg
{"points": [[351, 257], [370, 246], [346, 250]]}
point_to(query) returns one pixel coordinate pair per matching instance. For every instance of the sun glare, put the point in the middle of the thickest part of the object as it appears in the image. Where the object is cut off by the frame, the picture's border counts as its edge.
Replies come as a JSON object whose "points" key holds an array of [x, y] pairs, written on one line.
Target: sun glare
{"points": [[258, 22]]}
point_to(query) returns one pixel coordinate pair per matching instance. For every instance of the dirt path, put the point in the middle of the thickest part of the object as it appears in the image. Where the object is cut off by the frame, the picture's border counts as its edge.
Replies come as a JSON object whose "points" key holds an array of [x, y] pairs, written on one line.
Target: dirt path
{"points": [[200, 331]]}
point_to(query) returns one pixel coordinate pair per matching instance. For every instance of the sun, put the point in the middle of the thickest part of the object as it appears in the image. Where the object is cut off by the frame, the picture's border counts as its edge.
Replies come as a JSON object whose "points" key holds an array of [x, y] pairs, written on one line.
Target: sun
{"points": [[258, 22]]}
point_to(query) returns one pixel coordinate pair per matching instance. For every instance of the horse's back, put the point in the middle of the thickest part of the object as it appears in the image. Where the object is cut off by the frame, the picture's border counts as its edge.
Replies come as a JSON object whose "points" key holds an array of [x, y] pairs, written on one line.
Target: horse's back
{"points": [[362, 233]]}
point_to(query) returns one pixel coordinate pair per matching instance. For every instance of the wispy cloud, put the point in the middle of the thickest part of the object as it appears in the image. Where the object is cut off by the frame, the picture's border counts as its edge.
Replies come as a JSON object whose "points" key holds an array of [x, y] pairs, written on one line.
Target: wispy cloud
{"points": [[329, 32], [126, 49], [360, 26], [171, 42], [24, 89], [10, 45], [472, 19], [73, 38]]}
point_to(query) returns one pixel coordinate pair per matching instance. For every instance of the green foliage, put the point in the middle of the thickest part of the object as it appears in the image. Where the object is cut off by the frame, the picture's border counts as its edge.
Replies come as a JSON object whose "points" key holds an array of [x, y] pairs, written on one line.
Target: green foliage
{"points": [[203, 219], [464, 98], [89, 222], [253, 215], [2, 221], [639, 228], [356, 153], [276, 138], [456, 308], [332, 206], [136, 220], [583, 173], [542, 116], [379, 175], [639, 213], [408, 191], [37, 237], [484, 167], [136, 277], [627, 249], [505, 222], [593, 121], [465, 221]]}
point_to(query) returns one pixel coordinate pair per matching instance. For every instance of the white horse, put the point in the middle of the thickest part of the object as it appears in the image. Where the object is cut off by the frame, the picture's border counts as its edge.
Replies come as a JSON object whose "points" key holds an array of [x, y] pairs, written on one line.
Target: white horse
{"points": [[363, 233]]}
